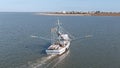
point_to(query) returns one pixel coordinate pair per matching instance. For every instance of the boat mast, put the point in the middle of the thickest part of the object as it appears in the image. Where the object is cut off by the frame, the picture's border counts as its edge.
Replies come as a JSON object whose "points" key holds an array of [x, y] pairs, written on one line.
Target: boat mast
{"points": [[55, 33], [58, 28]]}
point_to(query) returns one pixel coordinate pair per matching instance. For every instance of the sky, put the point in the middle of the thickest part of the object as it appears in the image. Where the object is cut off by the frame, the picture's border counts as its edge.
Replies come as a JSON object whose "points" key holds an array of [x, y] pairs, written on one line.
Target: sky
{"points": [[59, 5]]}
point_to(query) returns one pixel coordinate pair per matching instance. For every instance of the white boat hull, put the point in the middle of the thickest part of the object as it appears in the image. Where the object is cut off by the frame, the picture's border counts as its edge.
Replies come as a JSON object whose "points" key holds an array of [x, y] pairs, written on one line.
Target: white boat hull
{"points": [[58, 51]]}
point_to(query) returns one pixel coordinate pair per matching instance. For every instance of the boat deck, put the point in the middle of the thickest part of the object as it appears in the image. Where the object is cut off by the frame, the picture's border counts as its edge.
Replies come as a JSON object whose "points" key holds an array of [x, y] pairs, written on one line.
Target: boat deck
{"points": [[55, 47]]}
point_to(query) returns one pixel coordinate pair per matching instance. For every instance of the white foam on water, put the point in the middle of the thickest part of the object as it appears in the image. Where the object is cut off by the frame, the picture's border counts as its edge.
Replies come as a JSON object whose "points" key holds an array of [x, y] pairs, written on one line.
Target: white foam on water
{"points": [[61, 58], [33, 36], [87, 36], [57, 60], [41, 63], [50, 61]]}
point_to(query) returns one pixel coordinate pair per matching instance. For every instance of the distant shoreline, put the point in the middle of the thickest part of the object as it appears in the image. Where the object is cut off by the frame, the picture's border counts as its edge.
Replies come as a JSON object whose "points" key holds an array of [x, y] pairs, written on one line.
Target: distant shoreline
{"points": [[52, 14], [86, 14]]}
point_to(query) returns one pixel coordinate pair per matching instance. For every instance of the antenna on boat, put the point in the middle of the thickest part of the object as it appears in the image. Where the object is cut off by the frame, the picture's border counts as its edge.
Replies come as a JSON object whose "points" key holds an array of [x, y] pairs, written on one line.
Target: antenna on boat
{"points": [[58, 22]]}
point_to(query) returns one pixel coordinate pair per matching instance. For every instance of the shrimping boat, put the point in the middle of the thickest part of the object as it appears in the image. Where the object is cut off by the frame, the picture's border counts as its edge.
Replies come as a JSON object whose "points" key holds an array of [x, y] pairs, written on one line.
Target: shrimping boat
{"points": [[60, 41]]}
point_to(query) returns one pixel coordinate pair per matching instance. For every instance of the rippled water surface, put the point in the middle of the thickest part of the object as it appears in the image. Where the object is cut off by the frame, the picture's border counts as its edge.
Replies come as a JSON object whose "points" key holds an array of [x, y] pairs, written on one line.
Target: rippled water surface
{"points": [[19, 50]]}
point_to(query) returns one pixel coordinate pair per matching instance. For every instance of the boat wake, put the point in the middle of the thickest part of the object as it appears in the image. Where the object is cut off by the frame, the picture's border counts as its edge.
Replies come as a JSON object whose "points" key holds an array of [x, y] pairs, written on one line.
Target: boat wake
{"points": [[58, 60], [50, 61], [41, 63]]}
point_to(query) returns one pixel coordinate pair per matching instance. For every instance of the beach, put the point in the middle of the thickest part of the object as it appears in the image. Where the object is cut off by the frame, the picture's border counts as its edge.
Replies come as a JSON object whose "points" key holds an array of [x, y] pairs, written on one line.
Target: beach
{"points": [[80, 14]]}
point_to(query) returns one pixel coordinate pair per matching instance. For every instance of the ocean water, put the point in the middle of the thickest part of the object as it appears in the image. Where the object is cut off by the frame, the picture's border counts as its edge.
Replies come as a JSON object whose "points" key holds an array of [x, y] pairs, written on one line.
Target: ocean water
{"points": [[19, 49]]}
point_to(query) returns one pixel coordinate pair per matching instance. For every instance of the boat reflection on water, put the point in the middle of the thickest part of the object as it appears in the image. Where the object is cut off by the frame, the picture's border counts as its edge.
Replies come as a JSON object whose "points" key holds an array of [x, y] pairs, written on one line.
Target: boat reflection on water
{"points": [[58, 59]]}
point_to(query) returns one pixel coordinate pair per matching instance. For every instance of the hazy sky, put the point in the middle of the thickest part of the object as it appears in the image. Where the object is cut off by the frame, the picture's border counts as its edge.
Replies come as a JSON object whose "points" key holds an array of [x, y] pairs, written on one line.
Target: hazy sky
{"points": [[58, 5]]}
